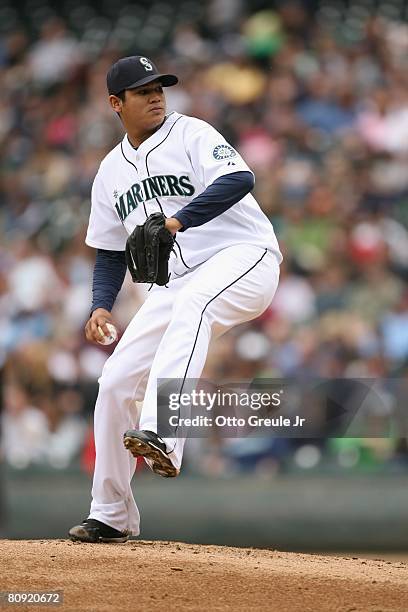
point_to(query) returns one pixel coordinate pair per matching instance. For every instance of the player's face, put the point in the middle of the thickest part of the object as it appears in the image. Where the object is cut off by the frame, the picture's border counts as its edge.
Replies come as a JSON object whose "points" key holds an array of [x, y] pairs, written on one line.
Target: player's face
{"points": [[143, 108]]}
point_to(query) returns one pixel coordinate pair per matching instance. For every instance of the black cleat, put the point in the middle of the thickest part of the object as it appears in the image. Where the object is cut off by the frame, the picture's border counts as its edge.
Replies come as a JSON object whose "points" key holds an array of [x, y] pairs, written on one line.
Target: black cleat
{"points": [[147, 444], [94, 531]]}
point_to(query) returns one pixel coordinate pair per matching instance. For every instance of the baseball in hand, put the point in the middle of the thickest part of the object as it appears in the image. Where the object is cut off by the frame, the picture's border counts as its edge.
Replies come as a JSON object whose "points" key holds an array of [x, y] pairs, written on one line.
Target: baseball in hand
{"points": [[113, 335]]}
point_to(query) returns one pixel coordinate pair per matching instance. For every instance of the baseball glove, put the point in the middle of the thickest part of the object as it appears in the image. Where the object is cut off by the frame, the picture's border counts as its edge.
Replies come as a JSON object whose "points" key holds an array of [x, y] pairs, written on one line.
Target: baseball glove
{"points": [[148, 251]]}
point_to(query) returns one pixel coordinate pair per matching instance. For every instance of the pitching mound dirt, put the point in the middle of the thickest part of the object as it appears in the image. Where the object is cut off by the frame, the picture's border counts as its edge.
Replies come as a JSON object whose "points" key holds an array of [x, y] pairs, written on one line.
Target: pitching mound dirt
{"points": [[149, 576]]}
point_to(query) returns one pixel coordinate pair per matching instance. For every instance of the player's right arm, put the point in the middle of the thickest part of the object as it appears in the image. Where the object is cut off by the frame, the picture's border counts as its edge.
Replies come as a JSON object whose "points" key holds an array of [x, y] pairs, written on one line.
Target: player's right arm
{"points": [[109, 274], [97, 321], [106, 234]]}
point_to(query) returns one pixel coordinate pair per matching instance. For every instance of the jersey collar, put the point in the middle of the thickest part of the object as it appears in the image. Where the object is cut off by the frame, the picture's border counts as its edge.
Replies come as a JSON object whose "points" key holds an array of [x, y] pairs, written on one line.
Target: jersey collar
{"points": [[153, 140]]}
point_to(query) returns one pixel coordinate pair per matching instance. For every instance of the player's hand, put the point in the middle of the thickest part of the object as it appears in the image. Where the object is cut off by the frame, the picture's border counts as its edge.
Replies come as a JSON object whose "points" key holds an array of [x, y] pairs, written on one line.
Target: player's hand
{"points": [[173, 225], [99, 318]]}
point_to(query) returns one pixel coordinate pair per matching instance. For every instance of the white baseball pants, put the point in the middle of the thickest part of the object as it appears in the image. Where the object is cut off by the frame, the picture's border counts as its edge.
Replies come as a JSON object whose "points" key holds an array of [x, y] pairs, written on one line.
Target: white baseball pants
{"points": [[169, 338]]}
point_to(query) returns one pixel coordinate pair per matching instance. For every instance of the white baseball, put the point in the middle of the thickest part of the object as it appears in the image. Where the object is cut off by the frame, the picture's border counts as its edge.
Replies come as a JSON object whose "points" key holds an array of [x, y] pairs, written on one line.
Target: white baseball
{"points": [[113, 335]]}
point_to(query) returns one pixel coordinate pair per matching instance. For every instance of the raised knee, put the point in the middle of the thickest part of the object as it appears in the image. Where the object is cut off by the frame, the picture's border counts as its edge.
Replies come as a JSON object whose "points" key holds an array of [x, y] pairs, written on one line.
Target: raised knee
{"points": [[190, 306]]}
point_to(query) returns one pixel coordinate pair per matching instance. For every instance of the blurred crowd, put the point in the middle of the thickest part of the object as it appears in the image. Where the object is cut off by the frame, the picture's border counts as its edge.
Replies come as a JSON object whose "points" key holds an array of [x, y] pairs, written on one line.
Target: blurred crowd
{"points": [[318, 111]]}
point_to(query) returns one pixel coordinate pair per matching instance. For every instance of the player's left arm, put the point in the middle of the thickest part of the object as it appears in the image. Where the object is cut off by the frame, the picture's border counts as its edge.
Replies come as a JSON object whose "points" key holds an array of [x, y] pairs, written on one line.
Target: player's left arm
{"points": [[223, 193], [221, 170]]}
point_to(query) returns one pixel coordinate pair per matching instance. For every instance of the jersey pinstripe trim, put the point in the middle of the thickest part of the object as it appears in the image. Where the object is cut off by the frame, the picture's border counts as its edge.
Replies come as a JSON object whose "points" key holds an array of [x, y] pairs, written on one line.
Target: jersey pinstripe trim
{"points": [[160, 143], [157, 199], [137, 171], [128, 160]]}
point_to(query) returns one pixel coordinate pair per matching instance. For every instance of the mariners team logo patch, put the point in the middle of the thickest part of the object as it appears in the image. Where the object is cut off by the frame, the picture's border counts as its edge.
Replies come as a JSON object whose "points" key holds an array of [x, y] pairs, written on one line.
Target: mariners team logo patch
{"points": [[224, 151], [146, 64]]}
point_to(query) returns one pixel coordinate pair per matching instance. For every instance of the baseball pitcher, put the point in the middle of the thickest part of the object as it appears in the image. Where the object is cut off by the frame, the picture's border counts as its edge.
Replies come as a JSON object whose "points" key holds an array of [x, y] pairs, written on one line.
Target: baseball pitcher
{"points": [[172, 203]]}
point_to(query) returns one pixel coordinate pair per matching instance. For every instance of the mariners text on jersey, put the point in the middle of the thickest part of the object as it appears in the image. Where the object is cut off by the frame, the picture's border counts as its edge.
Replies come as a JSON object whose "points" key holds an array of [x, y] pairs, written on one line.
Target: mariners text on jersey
{"points": [[165, 173], [153, 187]]}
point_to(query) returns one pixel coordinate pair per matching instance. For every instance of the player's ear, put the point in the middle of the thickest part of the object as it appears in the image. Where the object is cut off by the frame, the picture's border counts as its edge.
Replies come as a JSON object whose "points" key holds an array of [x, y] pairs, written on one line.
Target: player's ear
{"points": [[116, 103]]}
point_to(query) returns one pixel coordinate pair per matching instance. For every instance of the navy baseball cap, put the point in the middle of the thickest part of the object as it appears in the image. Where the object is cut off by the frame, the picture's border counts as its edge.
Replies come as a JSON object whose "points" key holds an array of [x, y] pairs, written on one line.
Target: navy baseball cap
{"points": [[133, 71]]}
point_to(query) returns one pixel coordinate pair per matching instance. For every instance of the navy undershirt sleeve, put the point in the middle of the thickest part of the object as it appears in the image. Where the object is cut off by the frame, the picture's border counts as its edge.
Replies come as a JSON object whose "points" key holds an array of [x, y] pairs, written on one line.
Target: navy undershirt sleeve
{"points": [[223, 193], [109, 274]]}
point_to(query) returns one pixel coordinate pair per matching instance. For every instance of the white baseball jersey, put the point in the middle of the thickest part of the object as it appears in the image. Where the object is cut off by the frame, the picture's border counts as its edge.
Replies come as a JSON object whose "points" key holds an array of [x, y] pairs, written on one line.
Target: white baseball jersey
{"points": [[168, 170]]}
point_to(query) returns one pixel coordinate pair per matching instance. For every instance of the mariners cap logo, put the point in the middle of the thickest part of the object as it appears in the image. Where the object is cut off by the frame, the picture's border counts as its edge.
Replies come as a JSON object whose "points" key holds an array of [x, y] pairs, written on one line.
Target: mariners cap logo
{"points": [[146, 64], [133, 71], [224, 151]]}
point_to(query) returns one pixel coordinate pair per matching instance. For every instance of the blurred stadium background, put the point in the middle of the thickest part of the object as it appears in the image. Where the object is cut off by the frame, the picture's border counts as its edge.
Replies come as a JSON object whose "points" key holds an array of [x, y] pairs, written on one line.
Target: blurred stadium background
{"points": [[315, 96]]}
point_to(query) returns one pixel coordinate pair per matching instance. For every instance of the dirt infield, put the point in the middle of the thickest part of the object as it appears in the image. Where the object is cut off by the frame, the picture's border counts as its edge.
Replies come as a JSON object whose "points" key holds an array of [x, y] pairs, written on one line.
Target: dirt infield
{"points": [[150, 576]]}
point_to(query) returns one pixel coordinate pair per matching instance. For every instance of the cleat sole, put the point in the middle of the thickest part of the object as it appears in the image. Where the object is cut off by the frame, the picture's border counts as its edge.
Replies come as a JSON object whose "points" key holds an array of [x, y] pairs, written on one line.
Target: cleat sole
{"points": [[157, 460]]}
